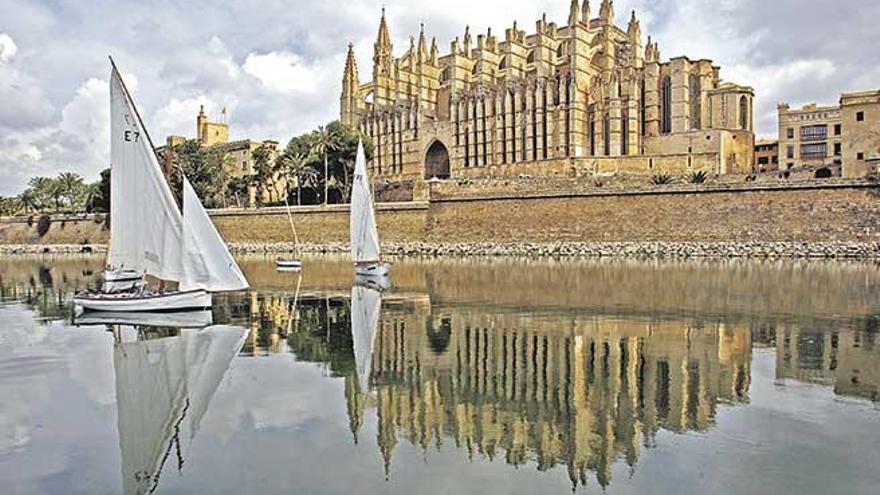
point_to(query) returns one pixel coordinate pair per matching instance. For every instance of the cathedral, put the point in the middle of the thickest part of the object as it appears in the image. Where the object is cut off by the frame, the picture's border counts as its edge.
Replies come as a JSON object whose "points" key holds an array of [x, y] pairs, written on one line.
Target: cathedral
{"points": [[583, 99]]}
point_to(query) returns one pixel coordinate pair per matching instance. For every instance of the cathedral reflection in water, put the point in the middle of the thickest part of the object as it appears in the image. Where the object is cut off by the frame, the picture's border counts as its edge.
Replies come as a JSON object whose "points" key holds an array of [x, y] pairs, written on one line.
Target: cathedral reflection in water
{"points": [[553, 388]]}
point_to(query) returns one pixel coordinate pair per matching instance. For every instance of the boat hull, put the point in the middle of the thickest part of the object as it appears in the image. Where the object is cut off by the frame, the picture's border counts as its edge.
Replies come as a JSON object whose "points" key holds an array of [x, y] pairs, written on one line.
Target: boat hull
{"points": [[288, 264], [182, 319], [377, 269], [133, 303]]}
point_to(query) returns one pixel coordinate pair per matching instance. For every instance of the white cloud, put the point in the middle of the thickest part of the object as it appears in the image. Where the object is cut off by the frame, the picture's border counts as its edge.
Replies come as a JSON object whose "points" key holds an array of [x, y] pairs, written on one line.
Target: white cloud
{"points": [[8, 49], [284, 72]]}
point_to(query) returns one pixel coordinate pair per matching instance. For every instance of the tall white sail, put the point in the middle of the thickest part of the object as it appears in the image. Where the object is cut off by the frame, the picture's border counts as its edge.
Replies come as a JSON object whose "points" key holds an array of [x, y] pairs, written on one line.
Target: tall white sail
{"points": [[362, 223], [207, 263], [163, 388], [365, 306], [145, 223]]}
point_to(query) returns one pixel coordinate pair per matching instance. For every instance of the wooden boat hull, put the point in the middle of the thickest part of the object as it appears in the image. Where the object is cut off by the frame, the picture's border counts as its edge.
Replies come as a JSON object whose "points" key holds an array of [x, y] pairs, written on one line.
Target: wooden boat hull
{"points": [[183, 319], [377, 269], [133, 303]]}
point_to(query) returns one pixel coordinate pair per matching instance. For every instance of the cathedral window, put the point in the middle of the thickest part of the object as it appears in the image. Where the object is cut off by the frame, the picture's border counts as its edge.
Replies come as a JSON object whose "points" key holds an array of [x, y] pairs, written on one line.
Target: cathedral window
{"points": [[504, 128], [544, 121], [744, 113], [695, 91], [503, 64], [530, 59], [445, 75], [624, 137], [666, 106], [606, 134]]}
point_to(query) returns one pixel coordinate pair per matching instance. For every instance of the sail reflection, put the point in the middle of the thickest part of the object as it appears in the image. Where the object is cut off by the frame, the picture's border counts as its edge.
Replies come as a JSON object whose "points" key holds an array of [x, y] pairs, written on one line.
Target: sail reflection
{"points": [[165, 379]]}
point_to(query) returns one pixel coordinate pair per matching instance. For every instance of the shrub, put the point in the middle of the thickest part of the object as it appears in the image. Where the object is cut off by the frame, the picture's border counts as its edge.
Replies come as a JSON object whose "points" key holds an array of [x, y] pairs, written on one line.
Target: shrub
{"points": [[661, 179], [698, 177], [30, 221], [43, 225]]}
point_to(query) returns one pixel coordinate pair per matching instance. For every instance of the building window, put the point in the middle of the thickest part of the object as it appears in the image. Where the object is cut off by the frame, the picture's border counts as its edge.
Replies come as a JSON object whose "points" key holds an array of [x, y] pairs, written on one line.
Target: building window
{"points": [[531, 57], [789, 152], [666, 106], [244, 165], [860, 156], [744, 113], [814, 150], [837, 129], [763, 160], [503, 64], [696, 101], [814, 133], [836, 149], [790, 133], [860, 116]]}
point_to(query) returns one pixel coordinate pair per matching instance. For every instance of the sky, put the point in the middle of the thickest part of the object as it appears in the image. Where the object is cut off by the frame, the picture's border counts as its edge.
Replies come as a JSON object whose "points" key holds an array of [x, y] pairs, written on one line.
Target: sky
{"points": [[276, 65]]}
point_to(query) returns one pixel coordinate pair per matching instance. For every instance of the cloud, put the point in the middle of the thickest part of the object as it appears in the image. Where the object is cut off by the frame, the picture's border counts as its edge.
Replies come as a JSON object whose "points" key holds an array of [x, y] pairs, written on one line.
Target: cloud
{"points": [[8, 49], [278, 68], [283, 72]]}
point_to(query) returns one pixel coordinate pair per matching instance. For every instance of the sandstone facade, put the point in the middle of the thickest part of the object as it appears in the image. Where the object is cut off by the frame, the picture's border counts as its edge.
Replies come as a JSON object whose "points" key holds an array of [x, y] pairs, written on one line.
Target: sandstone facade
{"points": [[547, 99]]}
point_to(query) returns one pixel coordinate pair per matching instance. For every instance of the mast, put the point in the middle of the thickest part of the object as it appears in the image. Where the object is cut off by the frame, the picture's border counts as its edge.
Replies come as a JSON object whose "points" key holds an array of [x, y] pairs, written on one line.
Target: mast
{"points": [[290, 220], [134, 107]]}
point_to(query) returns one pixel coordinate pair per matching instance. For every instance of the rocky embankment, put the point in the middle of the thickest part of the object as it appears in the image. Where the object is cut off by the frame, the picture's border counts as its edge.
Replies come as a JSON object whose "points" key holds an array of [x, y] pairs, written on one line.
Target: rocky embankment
{"points": [[31, 249], [600, 249], [559, 249]]}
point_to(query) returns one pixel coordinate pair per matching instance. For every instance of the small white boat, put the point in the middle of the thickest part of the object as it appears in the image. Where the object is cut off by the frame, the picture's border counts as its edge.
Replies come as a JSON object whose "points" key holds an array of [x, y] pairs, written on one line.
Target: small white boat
{"points": [[288, 265], [183, 319], [136, 302], [150, 235], [365, 250]]}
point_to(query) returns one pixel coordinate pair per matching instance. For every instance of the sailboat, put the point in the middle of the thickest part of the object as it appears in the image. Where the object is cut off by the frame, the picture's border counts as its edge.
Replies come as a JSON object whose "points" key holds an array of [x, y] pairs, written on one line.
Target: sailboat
{"points": [[366, 304], [291, 264], [149, 233], [163, 389], [365, 250]]}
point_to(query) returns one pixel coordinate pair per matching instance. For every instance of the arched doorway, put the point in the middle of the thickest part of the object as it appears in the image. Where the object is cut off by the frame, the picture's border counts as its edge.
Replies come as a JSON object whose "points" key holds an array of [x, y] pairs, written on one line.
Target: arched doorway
{"points": [[437, 161]]}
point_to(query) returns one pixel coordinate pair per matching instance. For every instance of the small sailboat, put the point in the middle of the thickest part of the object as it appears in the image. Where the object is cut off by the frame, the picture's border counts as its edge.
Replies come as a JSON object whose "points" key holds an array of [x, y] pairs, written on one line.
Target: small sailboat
{"points": [[150, 235], [366, 304], [293, 264], [365, 250]]}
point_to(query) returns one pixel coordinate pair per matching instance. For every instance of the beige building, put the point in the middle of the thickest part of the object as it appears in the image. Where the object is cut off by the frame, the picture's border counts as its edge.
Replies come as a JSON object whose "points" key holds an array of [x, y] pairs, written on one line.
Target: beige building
{"points": [[810, 137], [766, 155], [585, 97], [239, 155], [845, 138]]}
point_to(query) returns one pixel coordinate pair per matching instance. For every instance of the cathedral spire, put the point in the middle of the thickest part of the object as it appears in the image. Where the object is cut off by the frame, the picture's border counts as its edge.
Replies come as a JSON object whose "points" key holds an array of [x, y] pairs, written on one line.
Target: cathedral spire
{"points": [[634, 31], [574, 13], [382, 50], [350, 89], [585, 11], [423, 44], [434, 51], [384, 39], [606, 12], [467, 41]]}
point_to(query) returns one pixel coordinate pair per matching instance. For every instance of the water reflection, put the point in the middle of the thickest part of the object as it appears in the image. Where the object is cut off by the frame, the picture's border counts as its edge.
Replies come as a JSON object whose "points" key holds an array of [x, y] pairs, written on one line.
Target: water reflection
{"points": [[575, 366], [165, 379]]}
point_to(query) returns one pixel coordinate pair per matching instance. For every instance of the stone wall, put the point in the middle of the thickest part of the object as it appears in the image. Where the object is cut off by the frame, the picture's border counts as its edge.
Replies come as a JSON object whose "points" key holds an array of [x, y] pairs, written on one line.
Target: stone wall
{"points": [[63, 229], [830, 215]]}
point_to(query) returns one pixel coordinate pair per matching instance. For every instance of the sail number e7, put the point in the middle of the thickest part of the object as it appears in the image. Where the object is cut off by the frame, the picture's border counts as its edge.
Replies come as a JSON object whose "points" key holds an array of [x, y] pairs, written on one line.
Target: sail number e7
{"points": [[131, 136]]}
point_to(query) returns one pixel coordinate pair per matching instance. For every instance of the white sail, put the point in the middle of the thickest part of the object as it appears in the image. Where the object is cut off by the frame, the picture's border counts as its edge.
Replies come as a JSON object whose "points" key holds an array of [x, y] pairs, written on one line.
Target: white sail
{"points": [[163, 387], [362, 224], [365, 306], [145, 223], [207, 263]]}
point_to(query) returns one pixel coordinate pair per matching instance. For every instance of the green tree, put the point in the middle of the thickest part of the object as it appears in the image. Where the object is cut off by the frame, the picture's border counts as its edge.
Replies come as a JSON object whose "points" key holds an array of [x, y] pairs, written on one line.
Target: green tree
{"points": [[98, 194], [324, 141], [72, 188], [205, 169], [29, 201]]}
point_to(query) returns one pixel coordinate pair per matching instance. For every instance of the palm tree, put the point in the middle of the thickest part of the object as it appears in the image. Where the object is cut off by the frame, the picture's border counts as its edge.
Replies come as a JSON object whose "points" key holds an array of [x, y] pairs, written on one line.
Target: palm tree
{"points": [[325, 141], [28, 200], [70, 185]]}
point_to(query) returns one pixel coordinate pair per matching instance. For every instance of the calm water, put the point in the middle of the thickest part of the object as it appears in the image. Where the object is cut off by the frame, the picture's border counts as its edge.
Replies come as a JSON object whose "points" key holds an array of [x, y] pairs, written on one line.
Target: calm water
{"points": [[484, 376]]}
